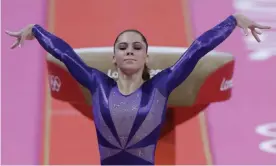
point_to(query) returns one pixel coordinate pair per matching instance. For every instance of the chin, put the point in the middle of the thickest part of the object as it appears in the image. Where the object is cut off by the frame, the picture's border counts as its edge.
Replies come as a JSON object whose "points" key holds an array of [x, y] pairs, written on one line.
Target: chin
{"points": [[130, 69]]}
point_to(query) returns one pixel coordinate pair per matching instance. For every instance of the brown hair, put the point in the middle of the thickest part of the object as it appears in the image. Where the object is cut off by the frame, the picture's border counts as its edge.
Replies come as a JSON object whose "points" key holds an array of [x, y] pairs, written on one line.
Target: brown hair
{"points": [[146, 74]]}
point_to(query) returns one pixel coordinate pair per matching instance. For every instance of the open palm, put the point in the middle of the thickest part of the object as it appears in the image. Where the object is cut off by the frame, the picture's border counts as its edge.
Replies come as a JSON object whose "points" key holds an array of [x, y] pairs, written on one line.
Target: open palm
{"points": [[21, 36], [246, 24]]}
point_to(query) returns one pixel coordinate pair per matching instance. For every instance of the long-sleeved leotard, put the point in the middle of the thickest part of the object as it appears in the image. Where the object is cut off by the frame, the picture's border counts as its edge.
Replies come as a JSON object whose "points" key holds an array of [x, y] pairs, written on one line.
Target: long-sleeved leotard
{"points": [[128, 126]]}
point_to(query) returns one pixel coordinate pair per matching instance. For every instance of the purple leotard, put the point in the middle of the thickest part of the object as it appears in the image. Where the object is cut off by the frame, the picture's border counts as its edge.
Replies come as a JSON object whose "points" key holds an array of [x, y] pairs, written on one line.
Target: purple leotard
{"points": [[128, 126]]}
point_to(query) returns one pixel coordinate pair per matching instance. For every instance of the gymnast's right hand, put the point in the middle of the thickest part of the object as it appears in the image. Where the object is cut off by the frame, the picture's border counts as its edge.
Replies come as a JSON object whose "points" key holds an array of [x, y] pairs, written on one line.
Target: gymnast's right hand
{"points": [[21, 36]]}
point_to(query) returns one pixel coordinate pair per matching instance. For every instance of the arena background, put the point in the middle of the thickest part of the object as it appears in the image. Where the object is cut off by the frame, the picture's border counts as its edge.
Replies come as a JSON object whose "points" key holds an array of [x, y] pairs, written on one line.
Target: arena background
{"points": [[41, 130]]}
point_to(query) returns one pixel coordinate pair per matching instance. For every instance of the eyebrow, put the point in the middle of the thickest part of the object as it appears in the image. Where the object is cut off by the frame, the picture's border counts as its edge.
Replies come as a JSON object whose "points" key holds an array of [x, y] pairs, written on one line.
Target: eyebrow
{"points": [[137, 43], [127, 43], [122, 43]]}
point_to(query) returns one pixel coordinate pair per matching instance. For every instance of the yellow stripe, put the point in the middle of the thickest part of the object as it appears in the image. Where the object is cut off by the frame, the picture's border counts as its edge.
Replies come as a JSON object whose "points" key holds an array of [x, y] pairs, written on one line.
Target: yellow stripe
{"points": [[47, 130], [48, 111], [205, 138], [187, 21], [201, 116]]}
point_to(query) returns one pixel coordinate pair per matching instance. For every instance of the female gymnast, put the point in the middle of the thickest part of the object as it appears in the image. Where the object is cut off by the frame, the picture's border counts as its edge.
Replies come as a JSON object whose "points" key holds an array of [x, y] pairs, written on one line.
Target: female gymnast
{"points": [[128, 113]]}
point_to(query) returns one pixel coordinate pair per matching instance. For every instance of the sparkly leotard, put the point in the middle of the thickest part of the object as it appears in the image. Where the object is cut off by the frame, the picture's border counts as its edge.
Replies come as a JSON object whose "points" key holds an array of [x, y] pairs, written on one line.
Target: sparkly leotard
{"points": [[128, 126]]}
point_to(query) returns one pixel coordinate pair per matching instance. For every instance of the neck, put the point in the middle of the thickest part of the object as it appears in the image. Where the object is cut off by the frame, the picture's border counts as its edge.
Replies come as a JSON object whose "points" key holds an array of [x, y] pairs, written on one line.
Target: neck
{"points": [[127, 84]]}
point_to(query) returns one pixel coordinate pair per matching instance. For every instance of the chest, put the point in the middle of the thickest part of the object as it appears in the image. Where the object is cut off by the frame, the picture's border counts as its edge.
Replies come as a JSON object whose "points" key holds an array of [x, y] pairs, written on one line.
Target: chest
{"points": [[124, 108], [130, 118]]}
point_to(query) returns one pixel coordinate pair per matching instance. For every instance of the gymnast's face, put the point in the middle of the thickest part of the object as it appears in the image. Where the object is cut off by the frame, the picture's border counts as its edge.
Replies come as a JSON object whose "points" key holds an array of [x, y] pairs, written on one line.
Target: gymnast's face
{"points": [[130, 52]]}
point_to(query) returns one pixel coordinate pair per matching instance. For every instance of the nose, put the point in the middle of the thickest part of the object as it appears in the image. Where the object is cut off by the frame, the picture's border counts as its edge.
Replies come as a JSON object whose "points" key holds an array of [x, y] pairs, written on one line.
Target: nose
{"points": [[129, 53]]}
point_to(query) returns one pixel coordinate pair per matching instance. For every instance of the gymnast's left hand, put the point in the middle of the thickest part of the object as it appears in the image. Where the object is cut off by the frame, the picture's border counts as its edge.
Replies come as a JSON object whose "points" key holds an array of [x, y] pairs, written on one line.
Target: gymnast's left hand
{"points": [[246, 24], [21, 36]]}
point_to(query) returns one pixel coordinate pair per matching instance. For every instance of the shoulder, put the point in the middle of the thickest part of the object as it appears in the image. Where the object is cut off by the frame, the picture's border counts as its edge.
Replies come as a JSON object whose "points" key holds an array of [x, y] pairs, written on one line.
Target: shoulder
{"points": [[102, 78], [158, 81], [159, 76]]}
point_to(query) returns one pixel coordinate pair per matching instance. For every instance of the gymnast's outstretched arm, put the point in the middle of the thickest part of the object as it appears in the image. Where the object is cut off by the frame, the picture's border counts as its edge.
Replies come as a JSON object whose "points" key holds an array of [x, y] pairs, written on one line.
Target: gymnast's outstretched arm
{"points": [[61, 50], [177, 73]]}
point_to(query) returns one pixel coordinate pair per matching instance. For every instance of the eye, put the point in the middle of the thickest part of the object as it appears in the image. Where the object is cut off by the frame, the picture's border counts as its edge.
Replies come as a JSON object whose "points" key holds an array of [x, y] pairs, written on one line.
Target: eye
{"points": [[122, 46], [137, 47]]}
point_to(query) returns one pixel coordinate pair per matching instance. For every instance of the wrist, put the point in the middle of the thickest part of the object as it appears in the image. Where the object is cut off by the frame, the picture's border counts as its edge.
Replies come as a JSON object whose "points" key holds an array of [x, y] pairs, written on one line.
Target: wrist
{"points": [[234, 17], [31, 26], [30, 31]]}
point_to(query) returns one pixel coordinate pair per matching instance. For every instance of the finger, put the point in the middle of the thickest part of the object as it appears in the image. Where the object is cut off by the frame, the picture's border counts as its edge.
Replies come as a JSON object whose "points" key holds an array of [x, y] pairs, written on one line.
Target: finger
{"points": [[245, 31], [258, 31], [256, 25], [21, 41], [15, 44], [254, 33], [14, 34]]}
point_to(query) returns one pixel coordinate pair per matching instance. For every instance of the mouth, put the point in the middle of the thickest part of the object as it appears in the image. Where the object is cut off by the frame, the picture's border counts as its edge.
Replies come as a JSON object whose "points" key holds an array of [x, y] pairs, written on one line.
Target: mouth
{"points": [[129, 60]]}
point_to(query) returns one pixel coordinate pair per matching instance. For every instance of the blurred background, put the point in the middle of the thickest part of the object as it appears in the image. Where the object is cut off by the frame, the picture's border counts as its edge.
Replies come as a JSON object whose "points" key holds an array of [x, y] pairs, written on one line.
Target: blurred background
{"points": [[40, 129]]}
